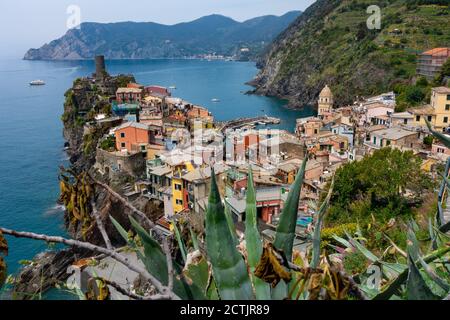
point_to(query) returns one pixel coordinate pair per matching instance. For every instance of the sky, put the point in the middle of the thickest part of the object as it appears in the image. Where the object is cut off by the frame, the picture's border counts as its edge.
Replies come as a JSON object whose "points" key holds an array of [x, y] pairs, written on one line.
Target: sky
{"points": [[30, 24]]}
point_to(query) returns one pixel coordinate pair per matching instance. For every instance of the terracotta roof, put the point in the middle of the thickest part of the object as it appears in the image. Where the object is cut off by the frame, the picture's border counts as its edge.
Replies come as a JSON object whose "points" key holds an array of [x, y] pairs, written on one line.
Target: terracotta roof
{"points": [[438, 52]]}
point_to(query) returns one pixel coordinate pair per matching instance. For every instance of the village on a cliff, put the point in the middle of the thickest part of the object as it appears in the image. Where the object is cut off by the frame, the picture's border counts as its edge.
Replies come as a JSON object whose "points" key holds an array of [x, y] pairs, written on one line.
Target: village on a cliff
{"points": [[155, 155]]}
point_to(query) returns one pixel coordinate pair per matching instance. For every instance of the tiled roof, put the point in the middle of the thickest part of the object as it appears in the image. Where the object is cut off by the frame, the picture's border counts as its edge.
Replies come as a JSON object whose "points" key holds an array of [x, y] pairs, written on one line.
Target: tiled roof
{"points": [[136, 125], [442, 90], [438, 52]]}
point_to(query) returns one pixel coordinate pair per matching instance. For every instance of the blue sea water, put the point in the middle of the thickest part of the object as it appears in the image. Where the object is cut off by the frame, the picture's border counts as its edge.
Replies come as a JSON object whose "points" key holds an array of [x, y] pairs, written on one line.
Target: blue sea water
{"points": [[31, 142]]}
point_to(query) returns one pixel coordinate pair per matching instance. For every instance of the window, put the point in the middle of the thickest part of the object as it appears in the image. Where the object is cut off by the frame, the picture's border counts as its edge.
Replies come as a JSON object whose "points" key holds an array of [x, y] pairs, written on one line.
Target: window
{"points": [[448, 97], [417, 118], [447, 107], [122, 134], [405, 121], [445, 119], [374, 140], [315, 131], [388, 142], [178, 187], [123, 145], [429, 118], [143, 148], [179, 202], [440, 150]]}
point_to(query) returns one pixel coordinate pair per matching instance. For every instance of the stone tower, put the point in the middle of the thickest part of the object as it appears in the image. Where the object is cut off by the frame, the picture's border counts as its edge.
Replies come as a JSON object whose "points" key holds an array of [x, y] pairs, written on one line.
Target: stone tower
{"points": [[326, 101], [100, 68]]}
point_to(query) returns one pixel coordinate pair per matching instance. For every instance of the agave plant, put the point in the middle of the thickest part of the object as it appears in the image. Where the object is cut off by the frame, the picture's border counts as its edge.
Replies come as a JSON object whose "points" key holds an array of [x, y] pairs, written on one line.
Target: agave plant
{"points": [[262, 271]]}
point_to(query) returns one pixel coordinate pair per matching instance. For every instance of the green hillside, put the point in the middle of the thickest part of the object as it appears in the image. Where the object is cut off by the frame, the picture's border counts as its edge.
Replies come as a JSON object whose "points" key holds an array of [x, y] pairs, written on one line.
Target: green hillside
{"points": [[330, 43]]}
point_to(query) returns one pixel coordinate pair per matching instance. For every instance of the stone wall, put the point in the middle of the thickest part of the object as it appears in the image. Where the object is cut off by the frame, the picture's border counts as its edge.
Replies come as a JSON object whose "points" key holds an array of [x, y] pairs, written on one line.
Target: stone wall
{"points": [[115, 163]]}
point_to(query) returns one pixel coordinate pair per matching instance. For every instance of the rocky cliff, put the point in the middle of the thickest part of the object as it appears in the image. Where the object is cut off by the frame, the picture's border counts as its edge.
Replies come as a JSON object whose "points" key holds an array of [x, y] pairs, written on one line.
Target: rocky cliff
{"points": [[331, 44]]}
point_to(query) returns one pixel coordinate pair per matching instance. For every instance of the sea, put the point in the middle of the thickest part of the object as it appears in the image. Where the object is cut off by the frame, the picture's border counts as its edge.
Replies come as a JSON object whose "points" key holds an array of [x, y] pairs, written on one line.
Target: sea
{"points": [[32, 145]]}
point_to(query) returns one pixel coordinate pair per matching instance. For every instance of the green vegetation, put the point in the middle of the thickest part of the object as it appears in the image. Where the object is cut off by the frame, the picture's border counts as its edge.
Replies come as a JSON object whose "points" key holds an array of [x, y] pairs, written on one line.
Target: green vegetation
{"points": [[108, 144], [330, 43], [378, 185]]}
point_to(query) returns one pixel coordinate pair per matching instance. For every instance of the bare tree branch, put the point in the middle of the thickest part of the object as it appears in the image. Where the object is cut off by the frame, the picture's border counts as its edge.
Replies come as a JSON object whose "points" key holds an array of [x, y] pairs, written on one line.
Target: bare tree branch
{"points": [[85, 245], [127, 204], [100, 226], [130, 294], [169, 262]]}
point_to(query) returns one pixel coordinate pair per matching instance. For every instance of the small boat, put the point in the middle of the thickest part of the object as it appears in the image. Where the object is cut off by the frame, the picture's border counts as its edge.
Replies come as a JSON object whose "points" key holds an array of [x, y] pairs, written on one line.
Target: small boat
{"points": [[37, 83], [215, 100], [172, 87]]}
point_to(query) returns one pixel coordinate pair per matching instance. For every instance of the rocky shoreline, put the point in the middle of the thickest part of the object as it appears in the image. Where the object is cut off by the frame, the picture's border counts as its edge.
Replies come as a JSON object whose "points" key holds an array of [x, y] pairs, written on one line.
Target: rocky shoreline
{"points": [[50, 267]]}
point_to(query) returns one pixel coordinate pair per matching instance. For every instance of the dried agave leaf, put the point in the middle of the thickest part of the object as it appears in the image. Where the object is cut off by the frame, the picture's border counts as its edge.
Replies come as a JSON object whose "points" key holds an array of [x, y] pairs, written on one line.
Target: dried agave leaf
{"points": [[3, 245], [3, 272], [97, 290], [272, 266]]}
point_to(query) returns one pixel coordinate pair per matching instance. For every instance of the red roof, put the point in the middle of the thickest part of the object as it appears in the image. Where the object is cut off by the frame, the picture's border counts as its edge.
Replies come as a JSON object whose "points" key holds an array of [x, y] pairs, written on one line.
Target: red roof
{"points": [[438, 52]]}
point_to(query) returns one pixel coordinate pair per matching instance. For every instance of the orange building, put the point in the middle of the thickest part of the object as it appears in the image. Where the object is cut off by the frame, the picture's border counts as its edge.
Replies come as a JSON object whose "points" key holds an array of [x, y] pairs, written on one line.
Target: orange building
{"points": [[132, 136]]}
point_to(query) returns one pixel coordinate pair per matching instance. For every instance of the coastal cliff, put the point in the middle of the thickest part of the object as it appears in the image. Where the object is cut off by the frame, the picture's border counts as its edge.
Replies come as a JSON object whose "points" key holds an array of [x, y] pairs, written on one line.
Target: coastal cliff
{"points": [[84, 100], [214, 34], [330, 43]]}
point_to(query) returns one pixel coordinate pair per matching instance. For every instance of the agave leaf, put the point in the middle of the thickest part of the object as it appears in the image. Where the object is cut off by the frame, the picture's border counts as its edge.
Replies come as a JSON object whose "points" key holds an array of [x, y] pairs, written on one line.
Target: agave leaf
{"points": [[153, 258], [441, 137], [342, 241], [194, 239], [119, 229], [180, 241], [417, 288], [155, 262], [285, 235], [392, 288], [229, 269], [253, 240], [318, 229], [430, 272], [199, 273], [230, 223], [369, 255]]}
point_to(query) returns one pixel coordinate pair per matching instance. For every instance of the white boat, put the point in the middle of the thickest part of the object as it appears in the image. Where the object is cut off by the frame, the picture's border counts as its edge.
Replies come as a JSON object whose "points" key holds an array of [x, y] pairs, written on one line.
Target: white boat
{"points": [[37, 83], [172, 87], [215, 100]]}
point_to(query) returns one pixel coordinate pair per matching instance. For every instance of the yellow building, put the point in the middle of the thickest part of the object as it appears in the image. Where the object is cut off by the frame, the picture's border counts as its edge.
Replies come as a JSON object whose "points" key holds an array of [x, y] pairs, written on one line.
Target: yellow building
{"points": [[437, 112], [179, 192], [326, 101]]}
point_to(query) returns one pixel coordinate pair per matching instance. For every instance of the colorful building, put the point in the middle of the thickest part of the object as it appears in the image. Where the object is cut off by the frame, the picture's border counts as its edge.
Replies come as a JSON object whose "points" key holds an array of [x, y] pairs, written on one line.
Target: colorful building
{"points": [[437, 112], [430, 62], [129, 95], [132, 136]]}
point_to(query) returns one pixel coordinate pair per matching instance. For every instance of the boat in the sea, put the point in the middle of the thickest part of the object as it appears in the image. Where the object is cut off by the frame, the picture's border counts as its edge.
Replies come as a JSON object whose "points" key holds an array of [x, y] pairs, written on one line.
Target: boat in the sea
{"points": [[37, 83], [172, 87], [215, 100]]}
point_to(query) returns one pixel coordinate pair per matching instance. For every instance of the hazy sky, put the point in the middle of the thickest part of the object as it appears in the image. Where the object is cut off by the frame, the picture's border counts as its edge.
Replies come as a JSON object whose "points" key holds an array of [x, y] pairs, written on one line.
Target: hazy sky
{"points": [[28, 24]]}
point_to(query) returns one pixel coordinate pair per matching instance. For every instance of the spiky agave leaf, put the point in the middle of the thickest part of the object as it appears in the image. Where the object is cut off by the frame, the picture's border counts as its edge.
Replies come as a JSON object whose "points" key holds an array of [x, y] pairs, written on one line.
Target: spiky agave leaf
{"points": [[315, 260], [155, 261], [229, 269], [441, 137], [180, 241], [194, 239], [396, 284], [285, 235], [253, 239]]}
